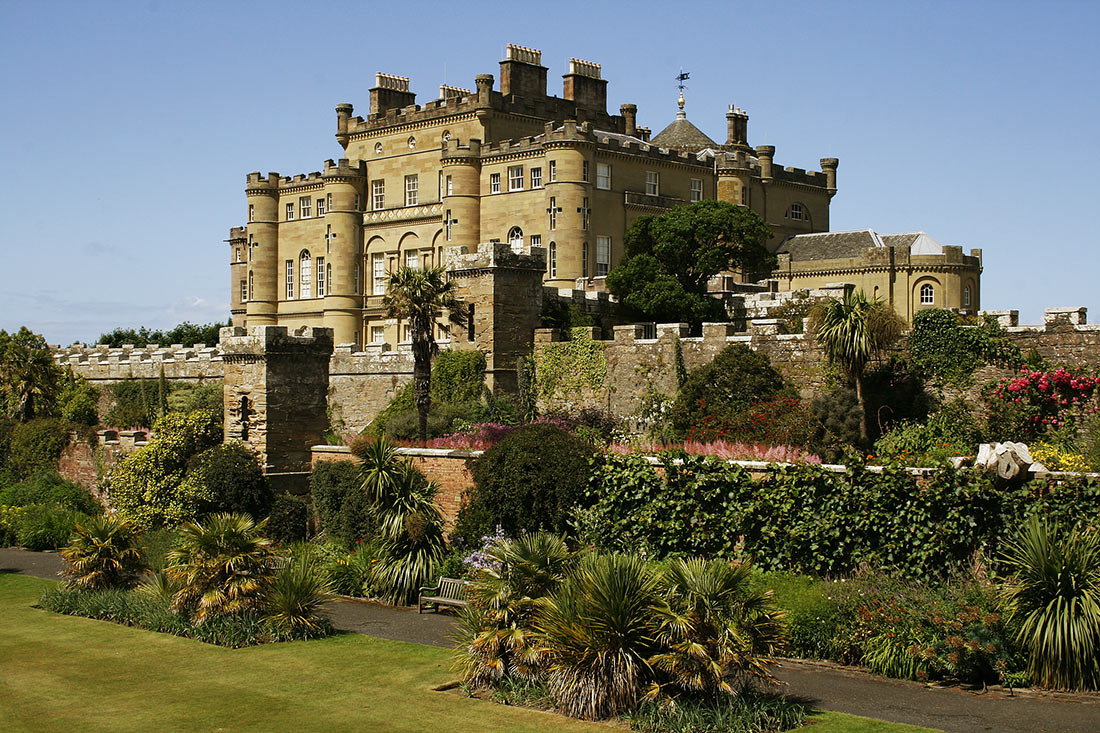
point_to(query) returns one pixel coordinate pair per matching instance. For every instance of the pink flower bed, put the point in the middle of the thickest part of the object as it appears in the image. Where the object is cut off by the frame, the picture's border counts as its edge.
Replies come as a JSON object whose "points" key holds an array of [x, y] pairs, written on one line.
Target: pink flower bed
{"points": [[724, 450]]}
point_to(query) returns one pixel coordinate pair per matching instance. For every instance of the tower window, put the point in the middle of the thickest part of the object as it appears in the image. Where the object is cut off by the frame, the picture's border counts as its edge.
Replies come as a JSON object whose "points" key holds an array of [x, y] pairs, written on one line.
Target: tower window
{"points": [[305, 275], [584, 171], [290, 279], [966, 296], [536, 178], [412, 143], [515, 239], [244, 291], [378, 194], [696, 189], [378, 263], [584, 259], [796, 212], [603, 176], [603, 255], [927, 294], [236, 254], [553, 211], [249, 286], [306, 207], [553, 170], [450, 186], [494, 183], [251, 212], [515, 178], [320, 277], [652, 183], [320, 207], [290, 211], [552, 260], [412, 185], [378, 148]]}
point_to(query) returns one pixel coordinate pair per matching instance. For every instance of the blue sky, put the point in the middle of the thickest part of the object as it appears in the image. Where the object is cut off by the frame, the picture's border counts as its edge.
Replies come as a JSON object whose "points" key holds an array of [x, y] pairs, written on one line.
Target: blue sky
{"points": [[128, 128]]}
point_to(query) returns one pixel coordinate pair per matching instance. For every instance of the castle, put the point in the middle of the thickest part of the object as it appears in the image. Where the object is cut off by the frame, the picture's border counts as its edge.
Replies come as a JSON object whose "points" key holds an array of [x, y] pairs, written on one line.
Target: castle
{"points": [[512, 165]]}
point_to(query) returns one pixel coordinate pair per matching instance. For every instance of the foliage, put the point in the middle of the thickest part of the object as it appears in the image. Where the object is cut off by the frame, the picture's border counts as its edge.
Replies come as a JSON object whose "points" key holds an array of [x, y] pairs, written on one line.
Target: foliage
{"points": [[157, 543], [191, 397], [839, 413], [747, 711], [7, 427], [599, 633], [227, 478], [38, 526], [852, 331], [147, 487], [951, 431], [1053, 600], [780, 420], [294, 597], [722, 389], [134, 403], [805, 518], [30, 379], [1056, 458], [570, 367], [36, 445], [410, 522], [1032, 403], [457, 385], [948, 350], [516, 487], [458, 376], [418, 296], [48, 488], [77, 400], [220, 566], [669, 259], [288, 520], [719, 449], [104, 553], [186, 333], [341, 506]]}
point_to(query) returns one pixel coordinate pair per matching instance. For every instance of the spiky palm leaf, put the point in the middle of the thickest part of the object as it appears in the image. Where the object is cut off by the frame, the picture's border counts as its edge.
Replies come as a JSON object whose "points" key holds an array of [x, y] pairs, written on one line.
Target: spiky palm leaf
{"points": [[104, 553], [599, 630], [716, 629], [220, 566], [1053, 599], [420, 296], [295, 596]]}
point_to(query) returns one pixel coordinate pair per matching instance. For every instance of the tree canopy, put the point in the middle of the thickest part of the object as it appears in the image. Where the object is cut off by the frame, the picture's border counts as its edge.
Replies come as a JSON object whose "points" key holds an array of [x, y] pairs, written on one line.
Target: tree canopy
{"points": [[30, 379], [670, 257], [186, 333]]}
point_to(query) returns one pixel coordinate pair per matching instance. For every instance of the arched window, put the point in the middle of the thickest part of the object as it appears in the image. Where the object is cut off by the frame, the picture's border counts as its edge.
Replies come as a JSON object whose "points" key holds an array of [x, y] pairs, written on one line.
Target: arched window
{"points": [[796, 212], [412, 142], [927, 294], [378, 148], [446, 136], [305, 275], [966, 296], [515, 239], [552, 260]]}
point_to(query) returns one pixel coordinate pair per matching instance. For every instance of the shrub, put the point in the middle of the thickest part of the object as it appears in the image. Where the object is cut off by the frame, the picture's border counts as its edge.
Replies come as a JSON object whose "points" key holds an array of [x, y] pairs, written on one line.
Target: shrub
{"points": [[104, 553], [227, 478], [294, 598], [951, 431], [145, 487], [288, 520], [780, 420], [36, 445], [191, 397], [157, 543], [7, 427], [838, 411], [135, 403], [748, 711], [949, 351], [44, 527], [457, 382], [50, 489], [341, 505], [735, 379], [530, 480], [1053, 600], [1032, 403], [78, 401]]}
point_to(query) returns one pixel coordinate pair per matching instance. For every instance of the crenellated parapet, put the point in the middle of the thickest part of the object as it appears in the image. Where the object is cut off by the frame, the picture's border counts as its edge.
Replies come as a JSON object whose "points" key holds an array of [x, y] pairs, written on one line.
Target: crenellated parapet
{"points": [[176, 362]]}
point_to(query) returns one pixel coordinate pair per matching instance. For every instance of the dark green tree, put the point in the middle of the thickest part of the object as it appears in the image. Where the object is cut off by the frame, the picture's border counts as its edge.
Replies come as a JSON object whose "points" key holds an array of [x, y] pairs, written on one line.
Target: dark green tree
{"points": [[669, 259], [30, 379], [421, 297]]}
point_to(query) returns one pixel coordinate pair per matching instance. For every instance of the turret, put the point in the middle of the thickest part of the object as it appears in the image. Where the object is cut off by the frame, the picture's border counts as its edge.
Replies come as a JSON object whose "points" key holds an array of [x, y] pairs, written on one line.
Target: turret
{"points": [[263, 249], [343, 114], [765, 154], [238, 273], [345, 183], [568, 193], [462, 196], [630, 119], [829, 165], [484, 84]]}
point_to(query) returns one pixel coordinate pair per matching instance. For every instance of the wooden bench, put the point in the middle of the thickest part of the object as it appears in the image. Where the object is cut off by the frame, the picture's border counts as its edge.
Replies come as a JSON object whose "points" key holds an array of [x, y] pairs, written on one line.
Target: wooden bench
{"points": [[449, 592]]}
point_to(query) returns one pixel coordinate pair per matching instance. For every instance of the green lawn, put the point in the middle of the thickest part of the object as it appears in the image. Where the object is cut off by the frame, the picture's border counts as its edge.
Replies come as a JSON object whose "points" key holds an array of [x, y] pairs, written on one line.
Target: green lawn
{"points": [[61, 673]]}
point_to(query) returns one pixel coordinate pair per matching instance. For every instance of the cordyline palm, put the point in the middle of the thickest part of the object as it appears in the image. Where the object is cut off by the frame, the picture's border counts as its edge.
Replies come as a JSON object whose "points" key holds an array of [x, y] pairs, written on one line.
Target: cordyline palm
{"points": [[851, 331], [420, 297], [31, 375], [220, 566]]}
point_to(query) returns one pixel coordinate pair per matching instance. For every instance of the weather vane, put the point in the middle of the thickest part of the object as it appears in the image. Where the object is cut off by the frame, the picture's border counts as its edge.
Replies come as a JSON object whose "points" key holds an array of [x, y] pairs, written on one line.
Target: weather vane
{"points": [[682, 77]]}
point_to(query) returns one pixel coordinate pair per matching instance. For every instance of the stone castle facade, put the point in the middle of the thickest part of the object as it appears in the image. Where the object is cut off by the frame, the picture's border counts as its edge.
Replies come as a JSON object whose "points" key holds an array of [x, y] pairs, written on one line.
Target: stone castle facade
{"points": [[511, 164]]}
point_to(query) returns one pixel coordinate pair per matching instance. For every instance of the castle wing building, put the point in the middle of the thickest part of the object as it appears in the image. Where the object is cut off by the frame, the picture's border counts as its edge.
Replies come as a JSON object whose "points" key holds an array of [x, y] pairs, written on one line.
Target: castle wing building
{"points": [[510, 164]]}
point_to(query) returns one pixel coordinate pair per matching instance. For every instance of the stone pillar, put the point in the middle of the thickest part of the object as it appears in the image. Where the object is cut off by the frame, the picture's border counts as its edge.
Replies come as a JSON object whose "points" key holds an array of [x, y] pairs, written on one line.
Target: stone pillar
{"points": [[504, 289], [275, 395]]}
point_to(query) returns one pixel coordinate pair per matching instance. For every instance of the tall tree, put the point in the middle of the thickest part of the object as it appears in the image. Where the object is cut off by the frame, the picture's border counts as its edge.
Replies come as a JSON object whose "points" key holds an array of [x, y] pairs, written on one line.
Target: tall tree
{"points": [[30, 379], [670, 258], [852, 331], [422, 297]]}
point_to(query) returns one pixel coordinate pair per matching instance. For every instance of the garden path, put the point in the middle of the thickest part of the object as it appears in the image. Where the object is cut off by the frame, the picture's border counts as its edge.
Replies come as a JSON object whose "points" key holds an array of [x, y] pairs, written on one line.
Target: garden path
{"points": [[824, 686]]}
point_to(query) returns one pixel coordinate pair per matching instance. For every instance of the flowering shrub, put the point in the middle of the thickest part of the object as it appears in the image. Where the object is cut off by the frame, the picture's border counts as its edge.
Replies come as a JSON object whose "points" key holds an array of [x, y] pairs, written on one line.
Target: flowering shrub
{"points": [[780, 420], [482, 436], [1028, 405], [720, 449], [484, 560], [1058, 459]]}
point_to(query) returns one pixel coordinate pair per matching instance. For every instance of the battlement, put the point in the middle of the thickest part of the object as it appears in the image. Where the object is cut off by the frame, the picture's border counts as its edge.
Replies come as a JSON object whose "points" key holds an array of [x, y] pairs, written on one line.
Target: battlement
{"points": [[255, 340], [391, 81], [584, 68], [299, 180], [257, 183], [102, 364], [523, 54], [345, 168], [495, 255], [573, 133], [791, 174]]}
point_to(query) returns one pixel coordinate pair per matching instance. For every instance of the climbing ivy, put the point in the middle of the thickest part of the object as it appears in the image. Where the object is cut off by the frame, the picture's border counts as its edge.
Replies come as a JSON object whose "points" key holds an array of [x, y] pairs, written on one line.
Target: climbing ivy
{"points": [[571, 367], [948, 350]]}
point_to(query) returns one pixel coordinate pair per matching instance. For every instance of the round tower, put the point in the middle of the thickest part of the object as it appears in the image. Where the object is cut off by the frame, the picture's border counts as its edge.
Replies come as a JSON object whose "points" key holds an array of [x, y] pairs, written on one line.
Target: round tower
{"points": [[462, 199], [571, 153], [262, 256], [344, 182]]}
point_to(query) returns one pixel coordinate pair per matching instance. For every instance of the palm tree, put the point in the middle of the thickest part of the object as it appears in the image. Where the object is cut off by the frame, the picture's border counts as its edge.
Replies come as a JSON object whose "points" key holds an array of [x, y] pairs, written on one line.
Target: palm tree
{"points": [[420, 296], [220, 567], [852, 331], [28, 373], [104, 553]]}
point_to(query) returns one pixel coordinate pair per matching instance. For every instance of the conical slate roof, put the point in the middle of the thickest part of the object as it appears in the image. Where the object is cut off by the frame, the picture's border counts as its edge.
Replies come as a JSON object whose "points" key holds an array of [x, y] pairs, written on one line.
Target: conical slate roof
{"points": [[682, 135]]}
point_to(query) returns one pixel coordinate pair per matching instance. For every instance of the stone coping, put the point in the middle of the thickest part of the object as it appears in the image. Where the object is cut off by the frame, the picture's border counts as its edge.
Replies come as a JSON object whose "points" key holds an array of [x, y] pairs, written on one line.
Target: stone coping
{"points": [[924, 472]]}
